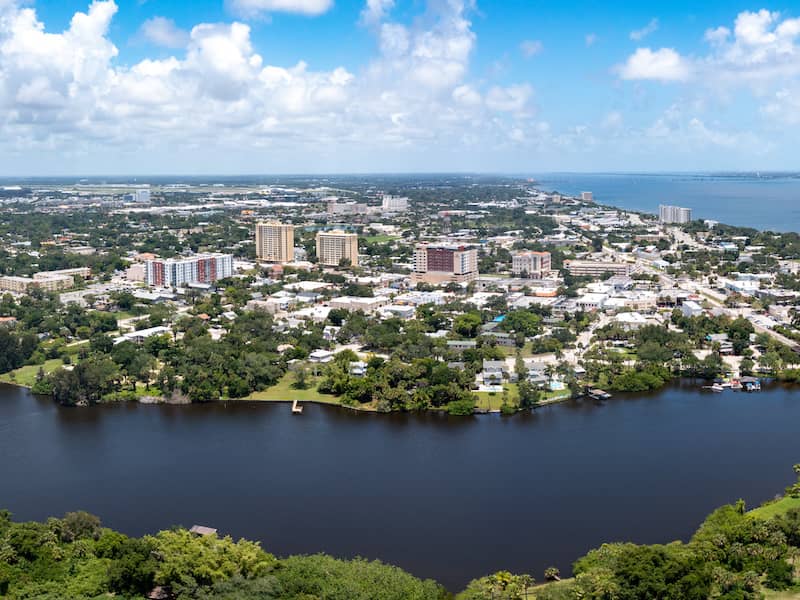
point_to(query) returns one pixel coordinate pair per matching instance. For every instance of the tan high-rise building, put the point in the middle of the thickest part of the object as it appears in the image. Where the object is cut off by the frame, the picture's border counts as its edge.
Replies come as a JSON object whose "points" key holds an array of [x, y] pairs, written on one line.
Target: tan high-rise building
{"points": [[275, 242], [335, 246]]}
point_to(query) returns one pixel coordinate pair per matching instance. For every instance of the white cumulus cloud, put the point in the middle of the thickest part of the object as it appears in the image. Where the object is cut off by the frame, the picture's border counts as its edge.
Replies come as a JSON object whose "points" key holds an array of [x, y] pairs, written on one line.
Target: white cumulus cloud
{"points": [[664, 64], [514, 98], [163, 32], [639, 34], [67, 91], [375, 11], [251, 8]]}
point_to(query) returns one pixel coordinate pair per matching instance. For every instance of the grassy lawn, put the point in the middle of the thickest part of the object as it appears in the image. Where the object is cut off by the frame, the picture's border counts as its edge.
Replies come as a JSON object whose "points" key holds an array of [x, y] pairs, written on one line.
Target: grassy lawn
{"points": [[283, 391], [788, 595], [27, 375], [776, 508], [526, 350], [489, 401], [380, 239], [122, 315]]}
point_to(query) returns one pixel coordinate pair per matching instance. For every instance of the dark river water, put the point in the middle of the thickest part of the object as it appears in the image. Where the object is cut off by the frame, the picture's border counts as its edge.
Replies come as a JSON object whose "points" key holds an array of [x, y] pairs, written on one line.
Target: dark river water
{"points": [[448, 498]]}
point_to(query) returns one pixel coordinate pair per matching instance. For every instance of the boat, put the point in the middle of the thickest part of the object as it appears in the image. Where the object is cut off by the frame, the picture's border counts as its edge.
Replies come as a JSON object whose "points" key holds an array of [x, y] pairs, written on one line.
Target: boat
{"points": [[714, 388], [751, 384]]}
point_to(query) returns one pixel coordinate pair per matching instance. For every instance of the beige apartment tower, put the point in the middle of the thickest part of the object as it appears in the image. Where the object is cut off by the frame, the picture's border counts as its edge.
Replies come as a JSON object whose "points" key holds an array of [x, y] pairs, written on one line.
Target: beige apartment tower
{"points": [[275, 242], [335, 246]]}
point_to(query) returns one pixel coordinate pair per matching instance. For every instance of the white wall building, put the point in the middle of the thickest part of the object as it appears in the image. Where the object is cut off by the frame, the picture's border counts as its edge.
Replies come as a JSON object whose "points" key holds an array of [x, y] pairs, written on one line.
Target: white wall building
{"points": [[394, 203], [535, 265], [674, 214], [177, 272]]}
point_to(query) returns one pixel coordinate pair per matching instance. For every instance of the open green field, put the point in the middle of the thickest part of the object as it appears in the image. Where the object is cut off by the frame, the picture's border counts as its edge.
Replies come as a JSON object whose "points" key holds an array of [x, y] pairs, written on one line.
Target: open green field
{"points": [[489, 401], [776, 508], [526, 351], [380, 239], [788, 595], [27, 375], [283, 391]]}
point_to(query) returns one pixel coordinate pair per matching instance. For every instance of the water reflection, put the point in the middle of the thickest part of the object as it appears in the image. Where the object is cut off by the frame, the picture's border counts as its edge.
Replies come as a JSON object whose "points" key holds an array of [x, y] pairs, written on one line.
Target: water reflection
{"points": [[443, 497]]}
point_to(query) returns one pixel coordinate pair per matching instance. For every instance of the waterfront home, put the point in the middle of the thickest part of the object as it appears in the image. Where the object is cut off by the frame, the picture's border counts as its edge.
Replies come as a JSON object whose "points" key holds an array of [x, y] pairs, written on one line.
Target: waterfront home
{"points": [[358, 368], [493, 372]]}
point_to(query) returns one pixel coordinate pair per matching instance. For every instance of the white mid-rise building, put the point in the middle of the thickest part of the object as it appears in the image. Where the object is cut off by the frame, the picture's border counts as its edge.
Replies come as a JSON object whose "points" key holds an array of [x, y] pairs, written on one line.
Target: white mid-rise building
{"points": [[177, 272], [674, 214], [535, 265], [394, 203], [138, 195]]}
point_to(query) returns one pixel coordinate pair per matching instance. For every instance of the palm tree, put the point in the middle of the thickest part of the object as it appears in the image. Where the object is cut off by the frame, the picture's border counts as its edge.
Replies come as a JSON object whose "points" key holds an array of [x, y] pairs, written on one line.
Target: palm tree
{"points": [[526, 581], [552, 574]]}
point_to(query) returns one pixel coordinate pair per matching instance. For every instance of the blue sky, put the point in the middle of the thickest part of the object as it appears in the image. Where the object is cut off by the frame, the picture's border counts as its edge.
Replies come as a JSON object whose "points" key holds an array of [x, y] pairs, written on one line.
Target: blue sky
{"points": [[266, 86]]}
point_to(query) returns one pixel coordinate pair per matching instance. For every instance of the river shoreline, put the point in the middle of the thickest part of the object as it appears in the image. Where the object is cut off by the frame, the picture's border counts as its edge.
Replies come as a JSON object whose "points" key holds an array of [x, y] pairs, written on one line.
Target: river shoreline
{"points": [[254, 470], [160, 400]]}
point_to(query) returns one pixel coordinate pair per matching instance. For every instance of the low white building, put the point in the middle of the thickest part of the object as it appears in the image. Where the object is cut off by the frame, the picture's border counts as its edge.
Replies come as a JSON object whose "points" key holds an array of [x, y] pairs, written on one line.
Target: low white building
{"points": [[320, 356], [358, 303], [690, 308], [137, 337], [592, 301]]}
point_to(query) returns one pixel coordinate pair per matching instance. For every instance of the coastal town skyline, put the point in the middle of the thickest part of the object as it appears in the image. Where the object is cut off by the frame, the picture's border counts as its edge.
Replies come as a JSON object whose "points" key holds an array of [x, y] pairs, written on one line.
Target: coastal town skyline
{"points": [[399, 299]]}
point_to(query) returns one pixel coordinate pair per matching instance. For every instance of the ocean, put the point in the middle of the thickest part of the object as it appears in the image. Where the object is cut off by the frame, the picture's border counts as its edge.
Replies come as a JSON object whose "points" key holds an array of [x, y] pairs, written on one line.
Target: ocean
{"points": [[762, 201]]}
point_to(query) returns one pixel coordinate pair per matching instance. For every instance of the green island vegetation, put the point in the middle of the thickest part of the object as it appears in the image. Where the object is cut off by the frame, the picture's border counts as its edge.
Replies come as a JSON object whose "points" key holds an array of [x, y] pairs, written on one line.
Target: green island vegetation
{"points": [[734, 555]]}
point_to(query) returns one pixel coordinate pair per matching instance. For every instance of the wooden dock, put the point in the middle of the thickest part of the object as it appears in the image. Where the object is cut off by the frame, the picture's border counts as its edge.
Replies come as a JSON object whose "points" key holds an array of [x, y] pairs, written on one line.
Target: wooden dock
{"points": [[202, 530], [296, 408], [596, 394]]}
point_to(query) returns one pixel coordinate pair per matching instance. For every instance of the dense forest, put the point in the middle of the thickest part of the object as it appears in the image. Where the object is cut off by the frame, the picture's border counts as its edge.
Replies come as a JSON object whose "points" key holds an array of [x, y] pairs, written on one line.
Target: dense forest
{"points": [[734, 555]]}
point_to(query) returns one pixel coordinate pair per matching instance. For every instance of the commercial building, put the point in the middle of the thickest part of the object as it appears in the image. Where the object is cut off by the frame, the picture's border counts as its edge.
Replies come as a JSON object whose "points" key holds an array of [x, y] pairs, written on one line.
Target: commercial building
{"points": [[394, 203], [674, 214], [358, 303], [534, 265], [587, 196], [177, 272], [346, 208], [275, 242], [335, 246], [84, 272], [443, 264], [142, 195], [596, 268], [50, 283]]}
